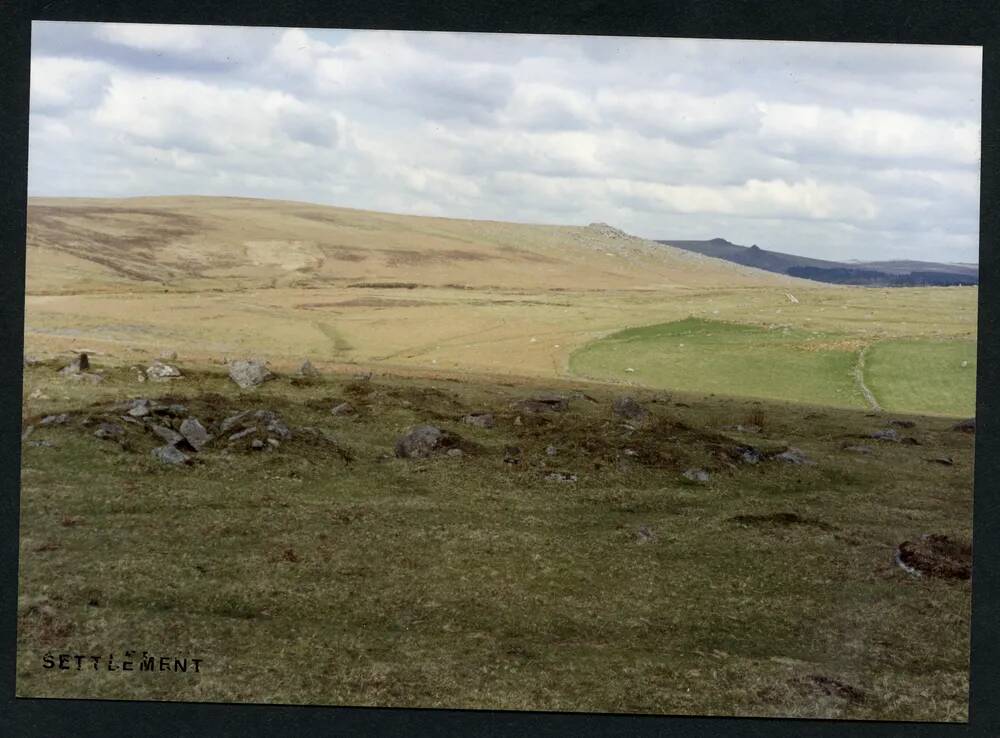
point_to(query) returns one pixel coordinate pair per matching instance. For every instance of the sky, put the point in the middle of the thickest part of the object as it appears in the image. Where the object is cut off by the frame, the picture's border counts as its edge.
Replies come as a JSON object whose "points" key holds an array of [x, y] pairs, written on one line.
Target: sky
{"points": [[838, 151]]}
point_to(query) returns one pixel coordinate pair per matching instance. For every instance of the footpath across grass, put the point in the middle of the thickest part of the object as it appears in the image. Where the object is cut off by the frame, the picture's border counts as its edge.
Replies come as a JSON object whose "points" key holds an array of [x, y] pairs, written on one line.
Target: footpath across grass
{"points": [[562, 562]]}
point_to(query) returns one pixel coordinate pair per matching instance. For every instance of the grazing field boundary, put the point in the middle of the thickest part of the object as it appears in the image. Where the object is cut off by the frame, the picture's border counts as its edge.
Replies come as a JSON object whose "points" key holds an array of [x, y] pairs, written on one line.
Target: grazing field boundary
{"points": [[859, 377]]}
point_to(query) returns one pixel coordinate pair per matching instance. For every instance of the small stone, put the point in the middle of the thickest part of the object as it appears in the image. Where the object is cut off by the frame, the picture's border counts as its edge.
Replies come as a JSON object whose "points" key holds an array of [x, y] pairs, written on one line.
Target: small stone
{"points": [[249, 374], [480, 420], [140, 408], [455, 452], [308, 370], [55, 419], [233, 420], [750, 455], [888, 434], [278, 428], [697, 475], [274, 442], [27, 432], [194, 433], [557, 476], [243, 434], [159, 370], [109, 432], [171, 455], [794, 456], [344, 408], [257, 444], [552, 451], [943, 460], [644, 535], [860, 449]]}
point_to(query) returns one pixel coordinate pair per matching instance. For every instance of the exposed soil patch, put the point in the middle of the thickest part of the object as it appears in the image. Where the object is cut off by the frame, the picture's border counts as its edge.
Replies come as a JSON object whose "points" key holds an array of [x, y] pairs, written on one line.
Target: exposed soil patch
{"points": [[936, 556], [832, 688], [365, 302], [781, 518]]}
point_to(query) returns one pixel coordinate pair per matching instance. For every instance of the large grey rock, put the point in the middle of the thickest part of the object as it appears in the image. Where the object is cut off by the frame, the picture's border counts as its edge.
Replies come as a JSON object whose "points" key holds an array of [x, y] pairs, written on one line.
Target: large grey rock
{"points": [[249, 374], [159, 370], [171, 455], [168, 435], [480, 420], [628, 408], [194, 433], [420, 442]]}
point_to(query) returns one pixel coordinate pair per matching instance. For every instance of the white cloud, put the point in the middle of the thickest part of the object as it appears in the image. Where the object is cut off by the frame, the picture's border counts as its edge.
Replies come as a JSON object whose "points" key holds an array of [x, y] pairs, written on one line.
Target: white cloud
{"points": [[812, 148]]}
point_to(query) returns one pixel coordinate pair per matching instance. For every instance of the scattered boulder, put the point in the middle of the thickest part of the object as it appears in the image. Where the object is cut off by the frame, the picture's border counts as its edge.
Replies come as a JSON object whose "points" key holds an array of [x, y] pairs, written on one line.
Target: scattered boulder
{"points": [[168, 435], [794, 456], [41, 443], [480, 420], [888, 434], [750, 455], [256, 444], [249, 373], [551, 451], [194, 433], [935, 556], [628, 408], [456, 452], [308, 370], [55, 419], [110, 432], [966, 426], [344, 408], [696, 475], [171, 455], [419, 442], [273, 442], [159, 370]]}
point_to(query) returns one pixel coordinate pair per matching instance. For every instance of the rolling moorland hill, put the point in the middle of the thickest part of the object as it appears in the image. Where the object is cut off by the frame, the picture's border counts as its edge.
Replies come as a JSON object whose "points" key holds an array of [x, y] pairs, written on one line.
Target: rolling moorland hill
{"points": [[197, 243], [872, 273]]}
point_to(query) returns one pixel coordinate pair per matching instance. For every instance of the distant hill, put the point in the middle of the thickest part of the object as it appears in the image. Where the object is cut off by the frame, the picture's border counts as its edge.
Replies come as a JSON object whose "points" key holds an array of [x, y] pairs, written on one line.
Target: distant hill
{"points": [[228, 243], [869, 274]]}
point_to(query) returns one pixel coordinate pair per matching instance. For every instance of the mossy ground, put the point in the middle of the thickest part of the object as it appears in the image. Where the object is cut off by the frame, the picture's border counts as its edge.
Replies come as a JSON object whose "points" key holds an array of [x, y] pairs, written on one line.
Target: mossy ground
{"points": [[469, 582]]}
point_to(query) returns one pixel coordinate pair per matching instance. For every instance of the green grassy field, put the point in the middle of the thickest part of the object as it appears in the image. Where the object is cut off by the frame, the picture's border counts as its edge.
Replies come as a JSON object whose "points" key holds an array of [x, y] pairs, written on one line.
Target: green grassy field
{"points": [[783, 363], [924, 376], [301, 577]]}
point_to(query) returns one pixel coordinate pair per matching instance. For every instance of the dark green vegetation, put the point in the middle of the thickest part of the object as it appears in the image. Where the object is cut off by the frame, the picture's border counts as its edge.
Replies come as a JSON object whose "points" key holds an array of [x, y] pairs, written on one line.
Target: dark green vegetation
{"points": [[781, 363], [310, 575], [870, 274]]}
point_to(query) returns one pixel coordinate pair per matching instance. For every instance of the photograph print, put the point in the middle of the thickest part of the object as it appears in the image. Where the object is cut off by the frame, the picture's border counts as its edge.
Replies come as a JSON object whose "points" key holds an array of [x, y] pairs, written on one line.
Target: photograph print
{"points": [[499, 372]]}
